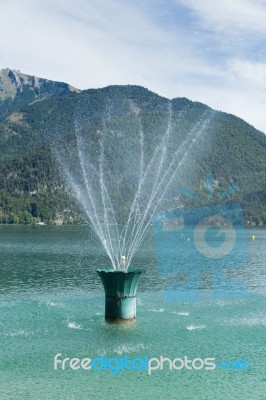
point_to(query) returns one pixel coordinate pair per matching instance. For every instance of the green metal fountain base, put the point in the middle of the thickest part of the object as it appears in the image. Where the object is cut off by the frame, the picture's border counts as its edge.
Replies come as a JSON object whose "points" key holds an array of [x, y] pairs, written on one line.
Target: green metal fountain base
{"points": [[120, 293]]}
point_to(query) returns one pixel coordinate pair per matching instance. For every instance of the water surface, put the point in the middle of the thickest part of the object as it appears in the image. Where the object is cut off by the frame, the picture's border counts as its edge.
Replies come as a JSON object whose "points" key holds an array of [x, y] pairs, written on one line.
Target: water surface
{"points": [[52, 302]]}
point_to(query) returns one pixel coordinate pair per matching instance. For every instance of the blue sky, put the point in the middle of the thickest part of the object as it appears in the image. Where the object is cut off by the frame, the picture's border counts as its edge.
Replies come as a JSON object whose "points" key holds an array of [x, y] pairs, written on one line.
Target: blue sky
{"points": [[213, 51]]}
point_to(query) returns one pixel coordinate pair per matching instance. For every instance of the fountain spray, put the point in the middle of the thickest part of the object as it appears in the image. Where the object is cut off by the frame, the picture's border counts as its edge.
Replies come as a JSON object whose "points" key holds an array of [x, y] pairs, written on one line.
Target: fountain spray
{"points": [[123, 262], [91, 172]]}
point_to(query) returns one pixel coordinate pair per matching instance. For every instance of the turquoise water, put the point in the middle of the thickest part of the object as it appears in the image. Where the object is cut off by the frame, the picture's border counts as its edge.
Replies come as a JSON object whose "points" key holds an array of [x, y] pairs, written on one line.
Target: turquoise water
{"points": [[52, 302]]}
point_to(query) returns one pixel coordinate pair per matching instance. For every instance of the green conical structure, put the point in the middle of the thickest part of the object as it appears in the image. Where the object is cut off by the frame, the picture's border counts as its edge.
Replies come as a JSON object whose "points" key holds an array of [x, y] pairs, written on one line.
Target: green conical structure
{"points": [[120, 293]]}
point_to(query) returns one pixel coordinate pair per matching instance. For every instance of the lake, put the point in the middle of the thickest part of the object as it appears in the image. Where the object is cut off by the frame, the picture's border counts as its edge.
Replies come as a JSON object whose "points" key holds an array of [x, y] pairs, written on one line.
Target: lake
{"points": [[52, 301]]}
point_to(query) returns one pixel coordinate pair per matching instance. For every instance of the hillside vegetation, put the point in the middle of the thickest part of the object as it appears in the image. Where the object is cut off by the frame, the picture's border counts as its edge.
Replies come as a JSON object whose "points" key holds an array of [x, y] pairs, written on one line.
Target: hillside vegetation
{"points": [[33, 122]]}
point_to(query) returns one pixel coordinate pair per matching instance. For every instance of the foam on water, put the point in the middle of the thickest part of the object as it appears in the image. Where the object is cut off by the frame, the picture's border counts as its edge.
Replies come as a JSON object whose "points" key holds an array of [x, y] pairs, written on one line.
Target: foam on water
{"points": [[246, 321], [128, 348], [60, 305], [194, 327], [20, 332], [74, 325]]}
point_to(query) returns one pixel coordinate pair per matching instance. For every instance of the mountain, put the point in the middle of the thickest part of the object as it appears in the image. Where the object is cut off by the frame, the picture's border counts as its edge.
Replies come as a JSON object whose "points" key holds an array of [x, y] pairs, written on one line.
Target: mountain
{"points": [[18, 89], [36, 115]]}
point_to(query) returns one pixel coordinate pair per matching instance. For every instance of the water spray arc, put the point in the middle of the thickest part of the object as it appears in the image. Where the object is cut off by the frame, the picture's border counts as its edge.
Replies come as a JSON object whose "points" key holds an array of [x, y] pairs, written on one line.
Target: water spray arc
{"points": [[118, 155]]}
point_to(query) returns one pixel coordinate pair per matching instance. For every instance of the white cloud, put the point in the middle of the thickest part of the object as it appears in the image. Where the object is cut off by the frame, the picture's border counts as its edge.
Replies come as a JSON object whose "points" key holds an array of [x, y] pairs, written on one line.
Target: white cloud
{"points": [[230, 17], [250, 73], [93, 44], [101, 42]]}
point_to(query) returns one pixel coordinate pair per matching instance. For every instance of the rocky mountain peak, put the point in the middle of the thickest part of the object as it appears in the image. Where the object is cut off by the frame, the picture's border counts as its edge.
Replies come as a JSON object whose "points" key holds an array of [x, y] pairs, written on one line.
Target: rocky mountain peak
{"points": [[14, 83]]}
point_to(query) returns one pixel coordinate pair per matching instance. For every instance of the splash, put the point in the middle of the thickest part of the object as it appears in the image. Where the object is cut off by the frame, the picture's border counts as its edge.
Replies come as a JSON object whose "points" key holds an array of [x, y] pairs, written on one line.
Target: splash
{"points": [[121, 165]]}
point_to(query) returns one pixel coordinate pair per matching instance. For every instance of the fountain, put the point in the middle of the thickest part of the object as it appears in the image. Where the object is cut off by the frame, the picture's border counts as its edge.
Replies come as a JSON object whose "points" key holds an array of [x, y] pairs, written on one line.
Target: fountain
{"points": [[121, 168], [120, 292]]}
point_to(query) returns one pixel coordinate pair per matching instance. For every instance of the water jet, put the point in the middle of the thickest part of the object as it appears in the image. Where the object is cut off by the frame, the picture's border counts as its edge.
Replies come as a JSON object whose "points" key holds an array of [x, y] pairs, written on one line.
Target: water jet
{"points": [[121, 172]]}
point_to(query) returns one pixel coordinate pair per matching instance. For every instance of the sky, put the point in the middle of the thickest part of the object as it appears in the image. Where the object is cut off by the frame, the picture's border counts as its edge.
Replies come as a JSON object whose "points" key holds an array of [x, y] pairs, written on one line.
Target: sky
{"points": [[212, 51]]}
